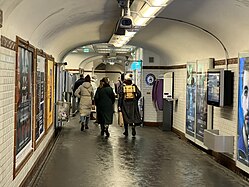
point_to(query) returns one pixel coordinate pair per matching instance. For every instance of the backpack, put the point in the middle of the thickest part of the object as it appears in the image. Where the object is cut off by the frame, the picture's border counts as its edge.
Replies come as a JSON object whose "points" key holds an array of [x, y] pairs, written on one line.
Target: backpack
{"points": [[129, 91]]}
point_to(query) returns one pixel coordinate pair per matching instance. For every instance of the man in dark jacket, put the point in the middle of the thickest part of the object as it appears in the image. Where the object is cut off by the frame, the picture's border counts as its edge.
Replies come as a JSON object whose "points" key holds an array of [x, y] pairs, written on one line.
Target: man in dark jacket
{"points": [[77, 84], [129, 95]]}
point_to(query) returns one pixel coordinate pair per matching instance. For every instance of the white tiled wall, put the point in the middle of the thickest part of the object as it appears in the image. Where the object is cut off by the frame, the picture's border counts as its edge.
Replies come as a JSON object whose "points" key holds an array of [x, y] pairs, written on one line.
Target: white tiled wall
{"points": [[151, 114], [179, 113], [225, 119], [7, 89], [7, 86]]}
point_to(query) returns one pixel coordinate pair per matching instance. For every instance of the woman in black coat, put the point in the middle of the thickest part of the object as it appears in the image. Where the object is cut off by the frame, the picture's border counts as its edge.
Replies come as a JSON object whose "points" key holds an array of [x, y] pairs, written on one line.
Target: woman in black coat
{"points": [[129, 95], [104, 100]]}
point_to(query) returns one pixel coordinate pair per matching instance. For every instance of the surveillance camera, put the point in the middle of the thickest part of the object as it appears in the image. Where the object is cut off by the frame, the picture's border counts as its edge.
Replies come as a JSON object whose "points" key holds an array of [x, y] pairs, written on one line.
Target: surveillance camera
{"points": [[125, 22], [122, 3]]}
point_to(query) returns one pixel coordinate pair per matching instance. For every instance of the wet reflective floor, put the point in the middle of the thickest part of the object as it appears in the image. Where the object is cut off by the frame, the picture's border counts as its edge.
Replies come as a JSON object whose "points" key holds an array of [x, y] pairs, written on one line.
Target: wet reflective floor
{"points": [[153, 158]]}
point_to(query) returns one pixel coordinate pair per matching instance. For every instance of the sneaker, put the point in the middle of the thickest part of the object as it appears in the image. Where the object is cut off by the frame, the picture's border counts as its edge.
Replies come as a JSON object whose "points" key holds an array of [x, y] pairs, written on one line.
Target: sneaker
{"points": [[133, 131]]}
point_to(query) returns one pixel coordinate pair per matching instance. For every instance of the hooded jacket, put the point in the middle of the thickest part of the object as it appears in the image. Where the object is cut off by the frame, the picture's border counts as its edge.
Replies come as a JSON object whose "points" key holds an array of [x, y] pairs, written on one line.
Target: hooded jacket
{"points": [[85, 93]]}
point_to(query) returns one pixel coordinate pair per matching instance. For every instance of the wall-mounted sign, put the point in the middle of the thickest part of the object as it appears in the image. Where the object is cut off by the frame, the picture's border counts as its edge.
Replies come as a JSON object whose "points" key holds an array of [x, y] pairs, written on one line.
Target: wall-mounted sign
{"points": [[50, 93], [198, 114], [40, 97], [191, 98], [23, 99], [243, 114], [150, 79]]}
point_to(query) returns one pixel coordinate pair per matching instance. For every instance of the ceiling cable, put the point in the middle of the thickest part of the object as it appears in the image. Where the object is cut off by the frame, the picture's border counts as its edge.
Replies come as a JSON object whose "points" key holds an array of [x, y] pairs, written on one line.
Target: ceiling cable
{"points": [[221, 43]]}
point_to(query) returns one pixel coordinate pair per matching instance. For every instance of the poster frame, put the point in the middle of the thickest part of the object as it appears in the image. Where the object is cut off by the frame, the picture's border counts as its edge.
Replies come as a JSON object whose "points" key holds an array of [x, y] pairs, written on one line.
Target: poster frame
{"points": [[188, 133], [39, 53], [50, 119], [29, 147], [209, 63], [239, 163]]}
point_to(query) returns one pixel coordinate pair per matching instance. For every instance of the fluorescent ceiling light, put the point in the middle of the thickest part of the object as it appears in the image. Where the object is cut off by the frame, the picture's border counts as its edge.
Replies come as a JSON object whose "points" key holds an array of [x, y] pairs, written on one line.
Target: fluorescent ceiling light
{"points": [[118, 44], [129, 34], [122, 52], [140, 21], [149, 11], [158, 2], [86, 50], [103, 51]]}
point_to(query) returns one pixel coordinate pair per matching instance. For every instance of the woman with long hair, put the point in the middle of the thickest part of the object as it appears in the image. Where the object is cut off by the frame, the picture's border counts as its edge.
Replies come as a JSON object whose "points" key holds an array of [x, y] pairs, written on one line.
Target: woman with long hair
{"points": [[104, 100], [85, 93]]}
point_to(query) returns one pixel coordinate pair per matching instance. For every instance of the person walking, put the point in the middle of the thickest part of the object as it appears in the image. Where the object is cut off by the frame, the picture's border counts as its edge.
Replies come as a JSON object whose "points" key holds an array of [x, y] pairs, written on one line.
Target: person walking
{"points": [[99, 87], [85, 93], [104, 101], [76, 85], [119, 85], [129, 95]]}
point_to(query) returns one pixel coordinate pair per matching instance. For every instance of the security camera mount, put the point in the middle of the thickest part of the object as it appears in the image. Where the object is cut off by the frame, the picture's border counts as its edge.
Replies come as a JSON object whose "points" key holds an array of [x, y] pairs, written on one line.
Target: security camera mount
{"points": [[122, 3]]}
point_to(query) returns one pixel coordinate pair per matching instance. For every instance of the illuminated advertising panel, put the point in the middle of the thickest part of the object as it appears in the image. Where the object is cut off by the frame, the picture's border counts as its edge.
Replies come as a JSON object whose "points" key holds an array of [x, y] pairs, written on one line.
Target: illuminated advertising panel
{"points": [[243, 111], [50, 93], [190, 98], [40, 97], [23, 104]]}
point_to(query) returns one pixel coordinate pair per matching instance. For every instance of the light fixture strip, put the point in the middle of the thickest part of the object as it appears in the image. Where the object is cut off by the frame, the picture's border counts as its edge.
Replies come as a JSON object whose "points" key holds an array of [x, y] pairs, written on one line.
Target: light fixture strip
{"points": [[150, 9]]}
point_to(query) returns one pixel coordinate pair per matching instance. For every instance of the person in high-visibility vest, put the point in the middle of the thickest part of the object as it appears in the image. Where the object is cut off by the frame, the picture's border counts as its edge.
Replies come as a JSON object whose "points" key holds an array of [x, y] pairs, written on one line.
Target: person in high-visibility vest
{"points": [[129, 95]]}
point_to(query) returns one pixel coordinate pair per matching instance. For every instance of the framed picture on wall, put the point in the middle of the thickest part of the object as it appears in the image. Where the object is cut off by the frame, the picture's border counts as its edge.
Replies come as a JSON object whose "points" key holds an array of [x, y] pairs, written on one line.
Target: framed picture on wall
{"points": [[23, 102], [197, 110], [49, 93], [243, 114], [190, 98], [40, 97]]}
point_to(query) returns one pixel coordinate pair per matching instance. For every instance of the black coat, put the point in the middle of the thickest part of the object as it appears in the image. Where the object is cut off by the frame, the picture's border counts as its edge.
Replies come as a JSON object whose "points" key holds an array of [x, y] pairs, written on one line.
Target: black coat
{"points": [[104, 99], [129, 108], [77, 84]]}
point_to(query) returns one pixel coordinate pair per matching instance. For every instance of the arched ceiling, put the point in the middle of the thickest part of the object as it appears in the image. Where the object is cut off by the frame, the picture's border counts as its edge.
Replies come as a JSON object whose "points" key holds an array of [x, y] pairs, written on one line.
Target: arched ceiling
{"points": [[58, 26], [178, 41]]}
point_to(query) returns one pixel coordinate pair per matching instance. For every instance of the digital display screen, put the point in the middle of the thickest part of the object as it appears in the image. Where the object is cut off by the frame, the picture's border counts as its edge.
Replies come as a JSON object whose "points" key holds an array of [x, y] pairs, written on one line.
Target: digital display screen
{"points": [[136, 65], [214, 87]]}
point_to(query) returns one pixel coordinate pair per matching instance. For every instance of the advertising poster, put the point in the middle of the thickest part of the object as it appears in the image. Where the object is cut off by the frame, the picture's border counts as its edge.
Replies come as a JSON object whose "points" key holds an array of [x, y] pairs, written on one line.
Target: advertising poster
{"points": [[50, 93], [40, 97], [201, 99], [190, 99], [24, 103], [243, 111]]}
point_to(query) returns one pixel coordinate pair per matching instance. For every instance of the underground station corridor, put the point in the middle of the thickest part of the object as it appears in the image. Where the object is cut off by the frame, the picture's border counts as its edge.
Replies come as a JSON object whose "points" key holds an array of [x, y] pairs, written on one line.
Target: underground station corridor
{"points": [[152, 158], [181, 65]]}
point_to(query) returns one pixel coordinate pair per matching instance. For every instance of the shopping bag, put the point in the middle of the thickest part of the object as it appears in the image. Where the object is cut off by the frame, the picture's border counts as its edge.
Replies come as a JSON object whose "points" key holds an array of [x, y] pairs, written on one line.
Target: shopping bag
{"points": [[120, 119]]}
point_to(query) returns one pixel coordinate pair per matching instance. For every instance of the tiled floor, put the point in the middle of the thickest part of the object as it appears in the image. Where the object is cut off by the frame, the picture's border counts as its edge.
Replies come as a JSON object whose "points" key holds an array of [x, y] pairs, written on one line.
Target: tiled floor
{"points": [[153, 158]]}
